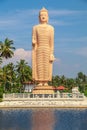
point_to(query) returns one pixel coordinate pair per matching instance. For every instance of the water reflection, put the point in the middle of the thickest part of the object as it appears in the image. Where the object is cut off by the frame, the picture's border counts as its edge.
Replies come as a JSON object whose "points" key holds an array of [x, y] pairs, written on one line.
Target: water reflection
{"points": [[43, 119]]}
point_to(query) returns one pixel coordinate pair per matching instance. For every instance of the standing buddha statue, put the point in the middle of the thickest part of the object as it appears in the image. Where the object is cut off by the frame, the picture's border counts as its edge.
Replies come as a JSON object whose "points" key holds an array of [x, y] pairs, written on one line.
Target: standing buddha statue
{"points": [[42, 50]]}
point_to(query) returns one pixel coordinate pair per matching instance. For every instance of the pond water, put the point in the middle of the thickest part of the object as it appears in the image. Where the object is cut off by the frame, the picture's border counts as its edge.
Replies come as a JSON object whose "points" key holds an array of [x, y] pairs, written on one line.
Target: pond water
{"points": [[43, 119]]}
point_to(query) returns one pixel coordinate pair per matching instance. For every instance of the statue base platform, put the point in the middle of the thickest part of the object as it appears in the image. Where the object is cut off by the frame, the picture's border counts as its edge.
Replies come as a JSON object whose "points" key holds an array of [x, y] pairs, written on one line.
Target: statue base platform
{"points": [[43, 90]]}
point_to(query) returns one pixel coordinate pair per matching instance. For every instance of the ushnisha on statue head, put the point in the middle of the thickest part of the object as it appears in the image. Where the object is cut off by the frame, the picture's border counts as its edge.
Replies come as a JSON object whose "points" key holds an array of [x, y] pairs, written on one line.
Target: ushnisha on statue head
{"points": [[43, 16]]}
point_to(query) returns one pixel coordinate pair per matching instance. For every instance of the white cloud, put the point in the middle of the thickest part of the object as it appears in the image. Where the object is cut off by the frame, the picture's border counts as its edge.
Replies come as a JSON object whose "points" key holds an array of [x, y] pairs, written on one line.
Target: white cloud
{"points": [[23, 54], [52, 12], [26, 18], [80, 39], [7, 23], [17, 20], [62, 12], [66, 12], [28, 12], [57, 60], [59, 23], [82, 51], [19, 54]]}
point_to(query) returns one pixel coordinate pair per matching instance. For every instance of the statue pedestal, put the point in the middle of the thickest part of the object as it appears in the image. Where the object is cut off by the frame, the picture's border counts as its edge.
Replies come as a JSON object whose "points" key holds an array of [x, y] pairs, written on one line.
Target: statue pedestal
{"points": [[43, 90]]}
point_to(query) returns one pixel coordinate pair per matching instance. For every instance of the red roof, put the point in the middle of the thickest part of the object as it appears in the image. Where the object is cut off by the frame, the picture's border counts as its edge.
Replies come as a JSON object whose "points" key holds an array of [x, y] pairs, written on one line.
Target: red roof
{"points": [[61, 88]]}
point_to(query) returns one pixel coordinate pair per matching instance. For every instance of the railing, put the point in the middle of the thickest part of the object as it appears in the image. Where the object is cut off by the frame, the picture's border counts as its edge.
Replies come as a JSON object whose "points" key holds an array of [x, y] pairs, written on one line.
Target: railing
{"points": [[40, 96]]}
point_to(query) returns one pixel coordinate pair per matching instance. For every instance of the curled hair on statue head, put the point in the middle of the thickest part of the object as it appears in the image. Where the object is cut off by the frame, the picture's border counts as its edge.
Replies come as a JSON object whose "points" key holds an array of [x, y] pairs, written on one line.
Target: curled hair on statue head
{"points": [[43, 10]]}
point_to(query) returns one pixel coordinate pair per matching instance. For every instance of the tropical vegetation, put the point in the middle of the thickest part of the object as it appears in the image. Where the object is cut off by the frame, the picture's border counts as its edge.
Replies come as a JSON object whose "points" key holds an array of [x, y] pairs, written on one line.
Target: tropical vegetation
{"points": [[12, 76], [80, 81]]}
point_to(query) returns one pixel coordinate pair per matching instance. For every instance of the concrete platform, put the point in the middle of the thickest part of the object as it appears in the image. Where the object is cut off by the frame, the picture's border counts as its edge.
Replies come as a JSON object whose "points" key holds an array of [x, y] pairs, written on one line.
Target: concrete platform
{"points": [[45, 103], [43, 90]]}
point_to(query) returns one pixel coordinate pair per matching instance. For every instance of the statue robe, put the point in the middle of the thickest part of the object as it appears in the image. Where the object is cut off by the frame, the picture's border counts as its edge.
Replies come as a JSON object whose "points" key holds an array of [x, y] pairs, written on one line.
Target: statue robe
{"points": [[42, 48]]}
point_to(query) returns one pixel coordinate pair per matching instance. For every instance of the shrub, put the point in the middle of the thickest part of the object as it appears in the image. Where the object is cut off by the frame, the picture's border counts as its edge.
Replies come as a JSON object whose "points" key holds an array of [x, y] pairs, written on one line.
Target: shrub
{"points": [[85, 93], [1, 92]]}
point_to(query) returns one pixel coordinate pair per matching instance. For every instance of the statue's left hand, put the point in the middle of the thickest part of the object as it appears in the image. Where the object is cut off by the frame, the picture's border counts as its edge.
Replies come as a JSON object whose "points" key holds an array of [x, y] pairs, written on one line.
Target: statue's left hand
{"points": [[33, 41], [52, 58]]}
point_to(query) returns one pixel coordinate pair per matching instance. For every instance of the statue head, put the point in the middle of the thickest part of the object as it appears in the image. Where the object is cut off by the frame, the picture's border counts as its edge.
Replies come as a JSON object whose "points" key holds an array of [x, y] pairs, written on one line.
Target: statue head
{"points": [[43, 15]]}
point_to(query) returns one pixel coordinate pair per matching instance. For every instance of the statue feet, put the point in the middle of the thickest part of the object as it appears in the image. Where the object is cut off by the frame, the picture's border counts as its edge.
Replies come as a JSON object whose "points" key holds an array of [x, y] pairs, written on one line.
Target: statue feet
{"points": [[45, 84], [40, 84]]}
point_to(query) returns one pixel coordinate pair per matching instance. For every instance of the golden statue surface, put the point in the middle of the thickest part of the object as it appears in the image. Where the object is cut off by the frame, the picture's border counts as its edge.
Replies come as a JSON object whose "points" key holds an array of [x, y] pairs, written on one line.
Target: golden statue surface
{"points": [[42, 50]]}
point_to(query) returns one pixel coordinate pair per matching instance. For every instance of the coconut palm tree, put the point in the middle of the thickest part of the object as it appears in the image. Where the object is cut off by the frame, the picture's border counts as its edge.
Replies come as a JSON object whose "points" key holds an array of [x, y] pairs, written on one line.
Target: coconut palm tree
{"points": [[0, 53], [6, 48], [0, 60], [24, 71], [5, 77], [82, 81], [12, 73]]}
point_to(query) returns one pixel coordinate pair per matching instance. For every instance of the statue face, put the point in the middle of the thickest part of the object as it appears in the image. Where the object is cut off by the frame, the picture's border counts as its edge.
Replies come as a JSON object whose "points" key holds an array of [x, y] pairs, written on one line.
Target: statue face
{"points": [[43, 17]]}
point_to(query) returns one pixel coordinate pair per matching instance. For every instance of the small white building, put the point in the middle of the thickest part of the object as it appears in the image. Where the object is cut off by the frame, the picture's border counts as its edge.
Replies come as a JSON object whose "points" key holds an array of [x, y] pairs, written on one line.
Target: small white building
{"points": [[28, 86], [75, 90]]}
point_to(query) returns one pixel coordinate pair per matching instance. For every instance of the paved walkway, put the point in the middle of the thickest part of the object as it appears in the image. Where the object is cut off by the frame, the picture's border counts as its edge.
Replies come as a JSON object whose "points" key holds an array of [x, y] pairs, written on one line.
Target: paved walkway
{"points": [[48, 103]]}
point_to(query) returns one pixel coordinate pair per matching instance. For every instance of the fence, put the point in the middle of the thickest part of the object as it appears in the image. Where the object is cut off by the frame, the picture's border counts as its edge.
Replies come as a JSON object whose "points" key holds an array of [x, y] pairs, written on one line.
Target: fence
{"points": [[43, 96]]}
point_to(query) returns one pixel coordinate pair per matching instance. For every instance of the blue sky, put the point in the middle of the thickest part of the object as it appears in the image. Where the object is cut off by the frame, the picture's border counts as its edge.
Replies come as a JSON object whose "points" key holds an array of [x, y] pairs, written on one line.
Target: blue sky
{"points": [[69, 18]]}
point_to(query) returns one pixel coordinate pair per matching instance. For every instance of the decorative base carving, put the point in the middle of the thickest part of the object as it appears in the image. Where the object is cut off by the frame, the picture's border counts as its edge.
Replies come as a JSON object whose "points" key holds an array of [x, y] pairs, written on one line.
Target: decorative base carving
{"points": [[43, 90]]}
